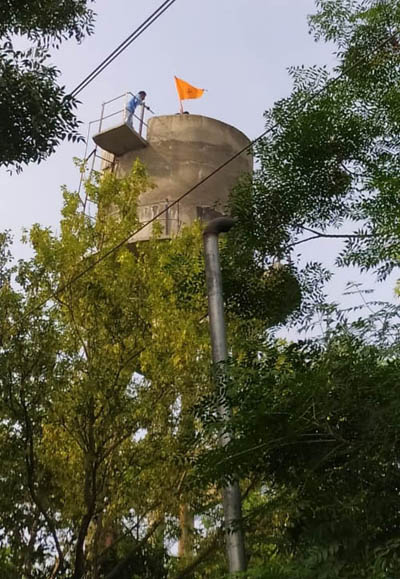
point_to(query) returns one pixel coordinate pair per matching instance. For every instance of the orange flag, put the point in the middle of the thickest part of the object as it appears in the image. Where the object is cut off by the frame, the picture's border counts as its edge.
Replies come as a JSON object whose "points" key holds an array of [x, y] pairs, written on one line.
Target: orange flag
{"points": [[186, 90]]}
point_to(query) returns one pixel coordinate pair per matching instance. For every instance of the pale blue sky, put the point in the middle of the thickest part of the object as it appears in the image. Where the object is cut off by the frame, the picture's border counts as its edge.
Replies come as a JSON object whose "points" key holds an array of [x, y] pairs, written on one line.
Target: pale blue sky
{"points": [[238, 49]]}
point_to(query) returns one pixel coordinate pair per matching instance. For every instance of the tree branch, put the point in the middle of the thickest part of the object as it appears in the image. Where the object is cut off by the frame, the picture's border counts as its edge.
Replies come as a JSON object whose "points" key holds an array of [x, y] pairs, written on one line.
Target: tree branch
{"points": [[116, 572], [90, 494], [337, 235], [30, 467], [201, 557], [320, 234]]}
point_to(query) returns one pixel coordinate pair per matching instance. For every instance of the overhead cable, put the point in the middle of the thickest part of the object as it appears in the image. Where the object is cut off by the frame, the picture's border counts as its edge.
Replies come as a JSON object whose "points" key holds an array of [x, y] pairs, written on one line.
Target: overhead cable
{"points": [[123, 46]]}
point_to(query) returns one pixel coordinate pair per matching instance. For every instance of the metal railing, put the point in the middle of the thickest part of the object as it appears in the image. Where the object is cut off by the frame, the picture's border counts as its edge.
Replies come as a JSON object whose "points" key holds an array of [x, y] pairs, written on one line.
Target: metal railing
{"points": [[170, 221], [122, 113], [119, 116]]}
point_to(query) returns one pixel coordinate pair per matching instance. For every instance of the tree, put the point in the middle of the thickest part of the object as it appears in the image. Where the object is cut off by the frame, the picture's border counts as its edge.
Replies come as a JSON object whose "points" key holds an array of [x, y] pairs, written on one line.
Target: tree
{"points": [[100, 373], [36, 113], [315, 424], [319, 435], [330, 159], [98, 378]]}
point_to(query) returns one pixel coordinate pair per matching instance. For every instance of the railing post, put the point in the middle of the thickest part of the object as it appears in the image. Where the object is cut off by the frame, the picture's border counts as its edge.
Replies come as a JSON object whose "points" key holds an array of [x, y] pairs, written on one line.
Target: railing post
{"points": [[141, 120], [95, 149], [166, 217], [125, 105], [101, 116]]}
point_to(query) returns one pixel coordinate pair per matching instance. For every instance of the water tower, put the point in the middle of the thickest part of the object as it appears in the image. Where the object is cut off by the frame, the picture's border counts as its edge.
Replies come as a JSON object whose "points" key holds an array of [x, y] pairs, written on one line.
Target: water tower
{"points": [[178, 151]]}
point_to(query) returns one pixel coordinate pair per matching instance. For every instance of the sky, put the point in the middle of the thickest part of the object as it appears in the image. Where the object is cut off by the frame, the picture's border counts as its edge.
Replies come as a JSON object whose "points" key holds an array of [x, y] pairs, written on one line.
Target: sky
{"points": [[239, 50]]}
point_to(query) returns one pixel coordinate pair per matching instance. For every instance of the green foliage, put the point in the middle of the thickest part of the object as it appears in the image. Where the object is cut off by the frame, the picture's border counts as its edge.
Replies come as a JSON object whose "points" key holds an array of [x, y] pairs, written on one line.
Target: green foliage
{"points": [[253, 292], [315, 424], [95, 456], [47, 21], [330, 158], [36, 113], [148, 562], [314, 429]]}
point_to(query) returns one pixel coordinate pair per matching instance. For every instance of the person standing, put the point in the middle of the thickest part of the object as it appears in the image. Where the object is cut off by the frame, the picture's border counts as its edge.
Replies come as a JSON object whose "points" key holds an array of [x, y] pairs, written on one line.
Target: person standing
{"points": [[132, 105]]}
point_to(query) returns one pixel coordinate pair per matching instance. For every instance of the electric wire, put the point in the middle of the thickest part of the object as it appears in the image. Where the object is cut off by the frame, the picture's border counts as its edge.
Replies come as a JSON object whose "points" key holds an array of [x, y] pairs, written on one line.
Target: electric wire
{"points": [[124, 241], [114, 54], [123, 46]]}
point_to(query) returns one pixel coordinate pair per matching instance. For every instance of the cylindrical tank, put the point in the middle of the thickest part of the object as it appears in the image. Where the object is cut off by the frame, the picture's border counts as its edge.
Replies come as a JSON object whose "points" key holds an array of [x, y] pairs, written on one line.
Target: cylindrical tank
{"points": [[181, 150]]}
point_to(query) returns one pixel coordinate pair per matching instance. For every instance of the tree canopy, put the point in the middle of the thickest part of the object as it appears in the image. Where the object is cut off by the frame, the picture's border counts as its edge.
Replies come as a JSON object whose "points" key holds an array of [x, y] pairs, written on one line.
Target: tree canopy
{"points": [[329, 163], [36, 113]]}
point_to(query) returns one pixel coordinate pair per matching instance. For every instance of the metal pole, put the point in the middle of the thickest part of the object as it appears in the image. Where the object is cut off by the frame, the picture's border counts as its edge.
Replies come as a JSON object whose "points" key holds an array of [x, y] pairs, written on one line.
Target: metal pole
{"points": [[231, 492], [103, 106], [125, 109], [99, 130], [141, 120], [166, 217]]}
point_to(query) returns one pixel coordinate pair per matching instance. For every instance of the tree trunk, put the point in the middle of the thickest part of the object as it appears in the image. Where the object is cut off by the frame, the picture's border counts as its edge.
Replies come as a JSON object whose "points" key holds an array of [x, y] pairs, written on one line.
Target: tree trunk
{"points": [[186, 522], [28, 561], [90, 495]]}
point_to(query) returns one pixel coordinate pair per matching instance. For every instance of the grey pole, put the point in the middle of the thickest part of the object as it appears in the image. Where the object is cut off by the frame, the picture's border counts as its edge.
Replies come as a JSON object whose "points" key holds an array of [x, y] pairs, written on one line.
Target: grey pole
{"points": [[231, 492], [141, 120]]}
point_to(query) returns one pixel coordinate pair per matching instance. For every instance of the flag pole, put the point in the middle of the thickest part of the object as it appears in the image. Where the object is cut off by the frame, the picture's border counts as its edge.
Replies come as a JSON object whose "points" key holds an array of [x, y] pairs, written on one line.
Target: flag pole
{"points": [[180, 107]]}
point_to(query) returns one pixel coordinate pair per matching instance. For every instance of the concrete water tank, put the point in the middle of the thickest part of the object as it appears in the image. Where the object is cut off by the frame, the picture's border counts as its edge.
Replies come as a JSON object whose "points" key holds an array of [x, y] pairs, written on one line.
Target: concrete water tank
{"points": [[178, 151]]}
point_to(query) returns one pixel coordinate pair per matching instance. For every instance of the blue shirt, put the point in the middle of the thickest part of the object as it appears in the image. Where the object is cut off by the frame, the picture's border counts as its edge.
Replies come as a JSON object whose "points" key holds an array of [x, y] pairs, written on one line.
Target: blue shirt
{"points": [[134, 102]]}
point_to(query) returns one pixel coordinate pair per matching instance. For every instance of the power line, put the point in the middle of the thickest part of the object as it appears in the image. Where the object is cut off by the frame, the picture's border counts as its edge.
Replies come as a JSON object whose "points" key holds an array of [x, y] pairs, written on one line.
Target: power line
{"points": [[123, 46], [124, 241]]}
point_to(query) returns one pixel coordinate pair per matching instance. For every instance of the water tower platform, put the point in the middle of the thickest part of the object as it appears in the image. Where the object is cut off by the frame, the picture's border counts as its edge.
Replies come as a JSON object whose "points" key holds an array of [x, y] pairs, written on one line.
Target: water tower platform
{"points": [[119, 140]]}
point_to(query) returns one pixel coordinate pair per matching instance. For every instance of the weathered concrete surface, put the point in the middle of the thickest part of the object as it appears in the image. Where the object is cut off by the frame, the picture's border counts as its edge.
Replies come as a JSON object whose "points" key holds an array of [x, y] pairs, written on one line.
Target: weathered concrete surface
{"points": [[119, 140], [181, 150]]}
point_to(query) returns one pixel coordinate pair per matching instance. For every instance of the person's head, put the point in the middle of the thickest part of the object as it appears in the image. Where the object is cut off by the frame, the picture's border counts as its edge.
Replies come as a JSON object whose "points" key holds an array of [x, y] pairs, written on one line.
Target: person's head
{"points": [[142, 94]]}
